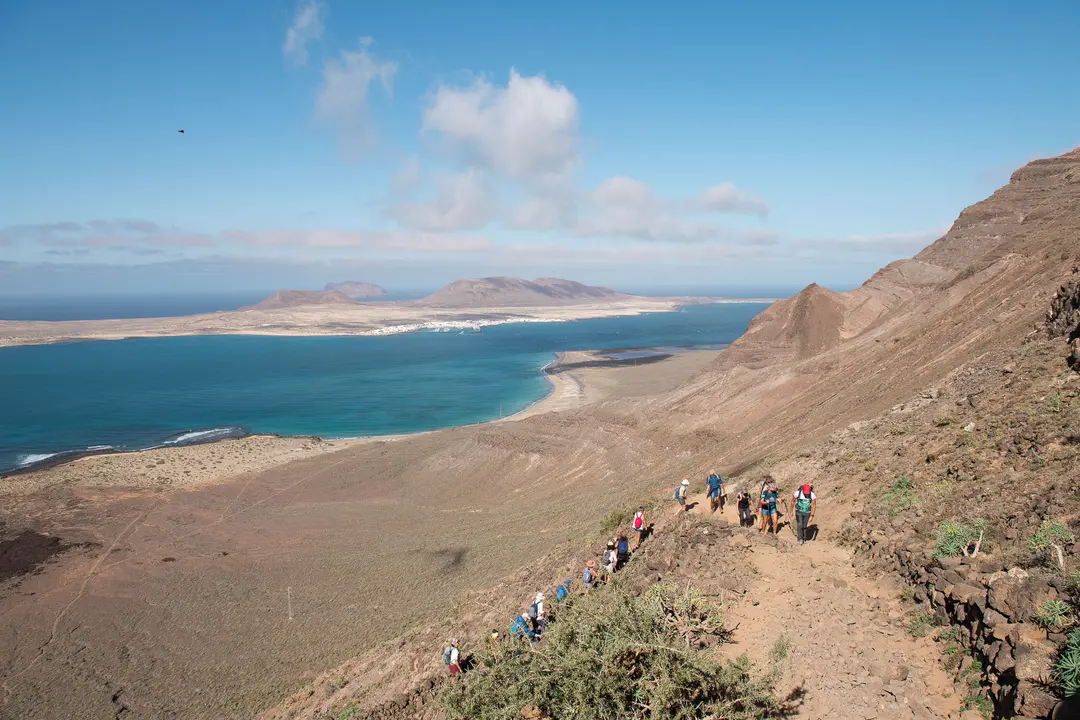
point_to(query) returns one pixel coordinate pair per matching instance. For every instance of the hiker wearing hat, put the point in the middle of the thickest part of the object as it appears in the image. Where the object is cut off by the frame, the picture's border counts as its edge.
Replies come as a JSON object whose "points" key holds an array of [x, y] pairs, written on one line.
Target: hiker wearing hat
{"points": [[609, 557], [769, 512], [639, 526], [452, 659], [805, 502], [588, 578], [680, 494]]}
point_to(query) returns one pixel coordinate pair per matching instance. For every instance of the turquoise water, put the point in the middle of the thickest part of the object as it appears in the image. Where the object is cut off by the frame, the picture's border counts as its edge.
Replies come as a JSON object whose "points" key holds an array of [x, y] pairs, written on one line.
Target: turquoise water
{"points": [[134, 394]]}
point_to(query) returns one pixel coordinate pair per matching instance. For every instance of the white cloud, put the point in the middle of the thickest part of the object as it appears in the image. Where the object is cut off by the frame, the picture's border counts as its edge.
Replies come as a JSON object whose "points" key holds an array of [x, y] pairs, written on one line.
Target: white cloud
{"points": [[525, 130], [462, 201], [725, 197], [359, 239], [409, 177], [307, 27], [622, 207], [343, 98]]}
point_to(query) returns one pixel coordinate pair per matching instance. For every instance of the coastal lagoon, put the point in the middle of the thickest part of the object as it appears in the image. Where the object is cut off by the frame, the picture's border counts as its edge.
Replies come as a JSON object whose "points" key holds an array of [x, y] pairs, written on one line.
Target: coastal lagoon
{"points": [[135, 394]]}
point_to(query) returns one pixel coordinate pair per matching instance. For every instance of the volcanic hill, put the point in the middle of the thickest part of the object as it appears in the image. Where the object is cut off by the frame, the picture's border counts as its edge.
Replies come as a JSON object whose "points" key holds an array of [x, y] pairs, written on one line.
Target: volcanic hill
{"points": [[516, 292], [357, 290]]}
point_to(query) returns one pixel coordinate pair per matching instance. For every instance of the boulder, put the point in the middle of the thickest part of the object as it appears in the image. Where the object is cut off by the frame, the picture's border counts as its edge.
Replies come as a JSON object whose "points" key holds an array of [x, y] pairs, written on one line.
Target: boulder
{"points": [[1033, 661], [1034, 701], [1011, 594]]}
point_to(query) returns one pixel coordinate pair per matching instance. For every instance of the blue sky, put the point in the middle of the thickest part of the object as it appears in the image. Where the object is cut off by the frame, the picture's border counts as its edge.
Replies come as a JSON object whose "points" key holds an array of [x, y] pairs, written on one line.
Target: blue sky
{"points": [[633, 144]]}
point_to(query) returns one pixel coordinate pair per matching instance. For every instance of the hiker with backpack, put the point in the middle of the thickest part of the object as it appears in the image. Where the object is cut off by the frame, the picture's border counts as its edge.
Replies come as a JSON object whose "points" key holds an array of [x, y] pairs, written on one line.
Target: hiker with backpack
{"points": [[769, 512], [714, 490], [536, 614], [588, 578], [639, 526], [609, 558], [680, 494], [805, 502], [452, 659], [742, 501], [622, 551]]}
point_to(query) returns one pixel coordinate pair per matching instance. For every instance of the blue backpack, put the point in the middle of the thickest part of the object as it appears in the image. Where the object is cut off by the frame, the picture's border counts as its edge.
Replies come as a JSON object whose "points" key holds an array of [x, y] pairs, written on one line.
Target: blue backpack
{"points": [[624, 547]]}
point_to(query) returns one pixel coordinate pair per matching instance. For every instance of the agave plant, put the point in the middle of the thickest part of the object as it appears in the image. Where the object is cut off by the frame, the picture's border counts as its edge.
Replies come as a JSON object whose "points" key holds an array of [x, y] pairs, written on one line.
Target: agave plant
{"points": [[1066, 670]]}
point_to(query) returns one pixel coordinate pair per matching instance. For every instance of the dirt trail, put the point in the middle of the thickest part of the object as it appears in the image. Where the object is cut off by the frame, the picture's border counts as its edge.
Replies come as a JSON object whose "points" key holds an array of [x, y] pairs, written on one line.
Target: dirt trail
{"points": [[850, 655]]}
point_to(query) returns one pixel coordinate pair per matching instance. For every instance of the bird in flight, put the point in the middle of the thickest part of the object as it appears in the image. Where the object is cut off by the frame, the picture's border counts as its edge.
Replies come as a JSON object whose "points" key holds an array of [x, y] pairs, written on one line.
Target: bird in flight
{"points": [[180, 131]]}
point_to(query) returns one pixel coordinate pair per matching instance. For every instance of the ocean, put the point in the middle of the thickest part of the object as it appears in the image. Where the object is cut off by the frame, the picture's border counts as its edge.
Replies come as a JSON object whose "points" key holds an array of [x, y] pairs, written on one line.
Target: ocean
{"points": [[141, 393]]}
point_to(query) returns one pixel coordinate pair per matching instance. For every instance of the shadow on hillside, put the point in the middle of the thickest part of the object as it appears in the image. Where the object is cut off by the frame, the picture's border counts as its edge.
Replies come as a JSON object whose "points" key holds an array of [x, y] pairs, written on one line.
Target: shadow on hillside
{"points": [[452, 558], [790, 705]]}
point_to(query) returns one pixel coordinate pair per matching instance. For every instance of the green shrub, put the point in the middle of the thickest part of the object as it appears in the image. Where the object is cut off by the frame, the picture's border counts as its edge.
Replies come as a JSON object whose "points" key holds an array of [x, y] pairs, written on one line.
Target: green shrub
{"points": [[920, 623], [1051, 535], [956, 538], [612, 656], [1053, 614], [900, 497], [1066, 671]]}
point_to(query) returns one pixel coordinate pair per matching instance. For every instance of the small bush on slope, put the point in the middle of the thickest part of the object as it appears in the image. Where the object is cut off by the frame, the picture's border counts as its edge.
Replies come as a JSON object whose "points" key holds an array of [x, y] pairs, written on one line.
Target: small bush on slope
{"points": [[612, 656], [956, 538], [1066, 670], [900, 497]]}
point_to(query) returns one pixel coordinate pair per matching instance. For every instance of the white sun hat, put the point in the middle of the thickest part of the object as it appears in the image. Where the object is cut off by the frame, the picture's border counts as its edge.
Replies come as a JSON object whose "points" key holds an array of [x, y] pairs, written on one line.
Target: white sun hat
{"points": [[685, 481]]}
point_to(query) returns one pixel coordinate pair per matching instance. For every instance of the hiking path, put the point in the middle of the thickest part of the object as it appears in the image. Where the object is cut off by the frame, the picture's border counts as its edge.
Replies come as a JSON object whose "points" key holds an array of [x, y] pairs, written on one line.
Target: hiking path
{"points": [[850, 653]]}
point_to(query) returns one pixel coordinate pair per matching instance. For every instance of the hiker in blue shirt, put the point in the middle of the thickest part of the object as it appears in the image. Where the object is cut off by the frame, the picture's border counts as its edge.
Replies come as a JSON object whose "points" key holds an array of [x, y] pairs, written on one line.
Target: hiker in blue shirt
{"points": [[622, 551], [520, 628], [563, 590], [714, 490], [769, 511]]}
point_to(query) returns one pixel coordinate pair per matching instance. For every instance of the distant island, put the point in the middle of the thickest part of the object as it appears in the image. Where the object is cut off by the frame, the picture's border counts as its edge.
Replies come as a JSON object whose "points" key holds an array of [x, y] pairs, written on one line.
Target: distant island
{"points": [[299, 298], [357, 290], [463, 304]]}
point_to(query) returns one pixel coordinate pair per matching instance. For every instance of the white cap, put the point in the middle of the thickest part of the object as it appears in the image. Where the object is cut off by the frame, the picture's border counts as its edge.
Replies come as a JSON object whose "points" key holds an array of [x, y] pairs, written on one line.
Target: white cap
{"points": [[539, 596], [685, 481]]}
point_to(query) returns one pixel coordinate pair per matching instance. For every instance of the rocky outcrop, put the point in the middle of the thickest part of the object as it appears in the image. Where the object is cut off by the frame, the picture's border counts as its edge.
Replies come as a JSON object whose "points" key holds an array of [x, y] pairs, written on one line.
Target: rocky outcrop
{"points": [[992, 610]]}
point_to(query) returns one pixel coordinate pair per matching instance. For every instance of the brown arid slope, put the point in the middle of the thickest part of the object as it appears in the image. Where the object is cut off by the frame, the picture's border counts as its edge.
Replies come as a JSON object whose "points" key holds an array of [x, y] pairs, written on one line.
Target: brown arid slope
{"points": [[176, 604]]}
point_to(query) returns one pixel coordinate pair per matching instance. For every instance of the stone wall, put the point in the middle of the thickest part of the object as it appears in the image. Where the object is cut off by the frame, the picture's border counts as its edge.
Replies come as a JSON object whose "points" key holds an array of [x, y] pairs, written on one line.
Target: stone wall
{"points": [[991, 608]]}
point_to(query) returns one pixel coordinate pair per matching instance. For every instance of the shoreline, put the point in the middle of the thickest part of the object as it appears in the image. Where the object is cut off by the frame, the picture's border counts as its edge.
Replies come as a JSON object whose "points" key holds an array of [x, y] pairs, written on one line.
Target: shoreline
{"points": [[330, 321], [575, 379]]}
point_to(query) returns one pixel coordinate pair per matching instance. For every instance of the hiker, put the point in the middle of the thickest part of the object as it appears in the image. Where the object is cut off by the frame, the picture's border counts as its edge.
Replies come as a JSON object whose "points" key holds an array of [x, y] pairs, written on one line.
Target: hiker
{"points": [[769, 511], [520, 628], [536, 614], [805, 502], [714, 490], [639, 526], [452, 659], [563, 591], [742, 501], [609, 558], [622, 551], [588, 578], [680, 494]]}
